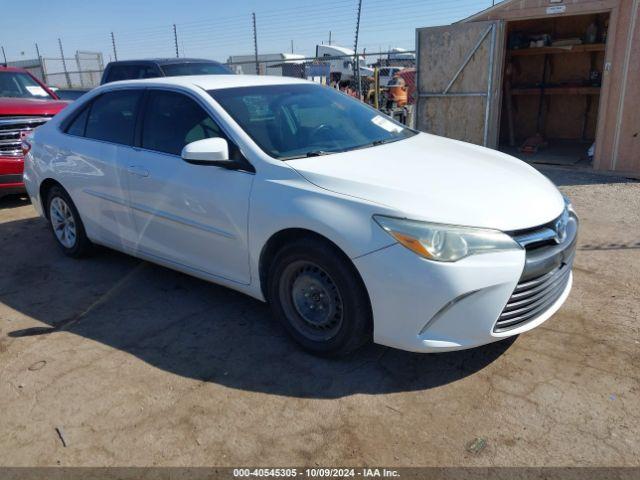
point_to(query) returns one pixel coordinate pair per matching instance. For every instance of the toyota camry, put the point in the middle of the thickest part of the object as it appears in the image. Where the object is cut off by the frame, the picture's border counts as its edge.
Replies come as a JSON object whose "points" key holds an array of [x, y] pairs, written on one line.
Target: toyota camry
{"points": [[353, 227]]}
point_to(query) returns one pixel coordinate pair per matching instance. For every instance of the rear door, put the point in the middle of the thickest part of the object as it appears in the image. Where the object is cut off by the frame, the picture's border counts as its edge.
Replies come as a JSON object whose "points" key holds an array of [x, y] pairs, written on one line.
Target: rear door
{"points": [[460, 81], [92, 162]]}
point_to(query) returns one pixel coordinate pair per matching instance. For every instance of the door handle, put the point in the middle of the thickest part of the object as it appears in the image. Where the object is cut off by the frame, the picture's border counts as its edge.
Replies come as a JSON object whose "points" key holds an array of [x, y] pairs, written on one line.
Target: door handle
{"points": [[139, 171]]}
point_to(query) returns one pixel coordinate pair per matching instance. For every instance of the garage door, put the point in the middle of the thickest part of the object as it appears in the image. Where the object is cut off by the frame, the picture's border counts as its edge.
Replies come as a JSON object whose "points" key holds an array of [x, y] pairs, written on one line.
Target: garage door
{"points": [[460, 80]]}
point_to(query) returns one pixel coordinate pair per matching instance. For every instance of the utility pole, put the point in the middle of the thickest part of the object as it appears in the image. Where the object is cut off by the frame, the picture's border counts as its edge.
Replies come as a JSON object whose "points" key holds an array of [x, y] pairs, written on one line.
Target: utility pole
{"points": [[175, 40], [64, 64], [255, 42], [113, 44], [291, 46], [329, 37], [356, 63], [4, 55], [42, 69]]}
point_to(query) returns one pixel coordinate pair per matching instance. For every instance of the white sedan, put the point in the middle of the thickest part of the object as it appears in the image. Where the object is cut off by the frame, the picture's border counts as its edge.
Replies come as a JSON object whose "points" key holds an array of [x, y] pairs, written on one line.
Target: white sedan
{"points": [[352, 226]]}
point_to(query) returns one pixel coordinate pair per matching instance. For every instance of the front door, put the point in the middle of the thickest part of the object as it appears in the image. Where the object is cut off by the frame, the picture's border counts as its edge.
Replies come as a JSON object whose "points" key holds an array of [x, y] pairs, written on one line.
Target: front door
{"points": [[190, 215]]}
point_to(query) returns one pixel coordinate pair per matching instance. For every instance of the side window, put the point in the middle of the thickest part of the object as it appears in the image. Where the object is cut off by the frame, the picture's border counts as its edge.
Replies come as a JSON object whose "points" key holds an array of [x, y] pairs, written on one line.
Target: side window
{"points": [[112, 117], [172, 120], [384, 72], [77, 126]]}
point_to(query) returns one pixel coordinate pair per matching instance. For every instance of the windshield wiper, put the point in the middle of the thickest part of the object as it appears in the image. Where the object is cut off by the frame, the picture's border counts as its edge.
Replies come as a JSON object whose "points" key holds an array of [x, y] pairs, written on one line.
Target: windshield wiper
{"points": [[318, 153], [388, 140]]}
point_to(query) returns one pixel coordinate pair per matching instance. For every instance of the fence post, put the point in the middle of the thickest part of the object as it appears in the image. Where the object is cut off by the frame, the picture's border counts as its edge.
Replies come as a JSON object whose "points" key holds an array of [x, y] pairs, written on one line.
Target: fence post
{"points": [[113, 44], [41, 63], [64, 64], [79, 69], [255, 43], [356, 63], [4, 55], [175, 39]]}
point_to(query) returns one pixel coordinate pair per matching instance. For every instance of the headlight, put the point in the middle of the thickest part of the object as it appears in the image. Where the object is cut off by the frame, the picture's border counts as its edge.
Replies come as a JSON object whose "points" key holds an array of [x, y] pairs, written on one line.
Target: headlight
{"points": [[568, 204], [445, 243]]}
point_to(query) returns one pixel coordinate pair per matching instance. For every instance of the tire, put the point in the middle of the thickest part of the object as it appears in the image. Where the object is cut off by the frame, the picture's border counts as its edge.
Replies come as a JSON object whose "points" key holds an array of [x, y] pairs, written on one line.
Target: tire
{"points": [[66, 226], [318, 296]]}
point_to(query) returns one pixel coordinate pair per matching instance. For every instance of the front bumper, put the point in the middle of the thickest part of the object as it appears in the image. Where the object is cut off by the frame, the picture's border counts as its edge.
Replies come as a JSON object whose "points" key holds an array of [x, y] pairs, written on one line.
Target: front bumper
{"points": [[11, 169], [425, 306]]}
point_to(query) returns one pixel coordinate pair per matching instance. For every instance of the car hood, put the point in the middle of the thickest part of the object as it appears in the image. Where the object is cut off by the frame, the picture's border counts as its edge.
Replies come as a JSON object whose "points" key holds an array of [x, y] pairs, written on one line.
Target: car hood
{"points": [[435, 179], [30, 106]]}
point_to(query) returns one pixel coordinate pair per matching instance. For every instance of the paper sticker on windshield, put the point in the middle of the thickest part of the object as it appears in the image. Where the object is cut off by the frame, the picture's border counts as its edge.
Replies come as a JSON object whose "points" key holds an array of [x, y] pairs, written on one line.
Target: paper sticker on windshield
{"points": [[388, 125], [37, 90]]}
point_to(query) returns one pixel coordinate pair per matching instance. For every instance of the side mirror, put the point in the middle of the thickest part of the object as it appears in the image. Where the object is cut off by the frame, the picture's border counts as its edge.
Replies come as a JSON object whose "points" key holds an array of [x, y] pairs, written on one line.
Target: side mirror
{"points": [[213, 151]]}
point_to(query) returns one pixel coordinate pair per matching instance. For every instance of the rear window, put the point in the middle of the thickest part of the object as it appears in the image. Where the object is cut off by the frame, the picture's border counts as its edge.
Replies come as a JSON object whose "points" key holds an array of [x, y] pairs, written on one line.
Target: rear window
{"points": [[79, 123], [131, 72], [201, 68]]}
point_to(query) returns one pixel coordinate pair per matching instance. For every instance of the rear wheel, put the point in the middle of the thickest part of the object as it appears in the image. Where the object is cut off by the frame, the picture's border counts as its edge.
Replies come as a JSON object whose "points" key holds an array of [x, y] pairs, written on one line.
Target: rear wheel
{"points": [[66, 224], [319, 297]]}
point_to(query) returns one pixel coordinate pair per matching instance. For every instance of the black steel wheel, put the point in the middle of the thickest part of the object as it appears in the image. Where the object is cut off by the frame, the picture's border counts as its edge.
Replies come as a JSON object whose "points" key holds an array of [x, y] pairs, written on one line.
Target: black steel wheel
{"points": [[319, 297]]}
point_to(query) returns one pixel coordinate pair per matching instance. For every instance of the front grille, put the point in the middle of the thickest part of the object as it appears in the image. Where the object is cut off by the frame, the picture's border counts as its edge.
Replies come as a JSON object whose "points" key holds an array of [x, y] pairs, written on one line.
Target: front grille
{"points": [[10, 129], [532, 298], [550, 250]]}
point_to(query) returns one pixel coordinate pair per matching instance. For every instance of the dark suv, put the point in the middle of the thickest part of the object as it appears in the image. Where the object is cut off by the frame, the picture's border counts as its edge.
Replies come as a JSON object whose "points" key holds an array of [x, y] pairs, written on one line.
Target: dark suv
{"points": [[161, 67]]}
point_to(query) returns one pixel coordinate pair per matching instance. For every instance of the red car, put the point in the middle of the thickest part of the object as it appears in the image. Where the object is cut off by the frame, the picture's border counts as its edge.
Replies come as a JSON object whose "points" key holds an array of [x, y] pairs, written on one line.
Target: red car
{"points": [[25, 103]]}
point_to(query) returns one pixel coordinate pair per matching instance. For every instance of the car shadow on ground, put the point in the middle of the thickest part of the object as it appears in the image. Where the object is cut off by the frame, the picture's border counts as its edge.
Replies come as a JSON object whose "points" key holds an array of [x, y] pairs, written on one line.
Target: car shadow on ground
{"points": [[13, 201], [196, 329], [567, 177]]}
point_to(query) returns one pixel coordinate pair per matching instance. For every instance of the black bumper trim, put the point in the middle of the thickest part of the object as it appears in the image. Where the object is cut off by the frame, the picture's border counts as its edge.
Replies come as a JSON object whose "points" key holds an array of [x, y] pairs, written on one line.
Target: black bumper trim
{"points": [[11, 178]]}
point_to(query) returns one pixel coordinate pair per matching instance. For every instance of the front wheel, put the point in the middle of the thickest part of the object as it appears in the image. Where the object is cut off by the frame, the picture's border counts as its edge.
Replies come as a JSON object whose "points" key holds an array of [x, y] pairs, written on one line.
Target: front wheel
{"points": [[319, 297], [66, 224]]}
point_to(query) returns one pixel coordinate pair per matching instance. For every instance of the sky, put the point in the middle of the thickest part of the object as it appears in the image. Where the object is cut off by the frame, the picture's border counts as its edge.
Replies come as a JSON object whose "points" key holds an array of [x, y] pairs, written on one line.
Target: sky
{"points": [[216, 29]]}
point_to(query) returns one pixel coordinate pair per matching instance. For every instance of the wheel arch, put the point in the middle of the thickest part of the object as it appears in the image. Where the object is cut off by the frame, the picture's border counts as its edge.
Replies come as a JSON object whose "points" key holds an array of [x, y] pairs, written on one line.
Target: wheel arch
{"points": [[43, 192], [281, 238]]}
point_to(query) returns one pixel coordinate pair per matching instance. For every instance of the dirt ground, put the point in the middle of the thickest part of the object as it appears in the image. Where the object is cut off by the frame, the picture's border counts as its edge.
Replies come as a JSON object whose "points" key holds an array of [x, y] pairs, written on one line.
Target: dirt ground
{"points": [[135, 364]]}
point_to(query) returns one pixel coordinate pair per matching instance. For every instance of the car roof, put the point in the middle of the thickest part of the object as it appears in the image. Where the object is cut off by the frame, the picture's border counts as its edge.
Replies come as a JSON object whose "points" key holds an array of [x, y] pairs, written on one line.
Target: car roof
{"points": [[212, 82], [162, 61]]}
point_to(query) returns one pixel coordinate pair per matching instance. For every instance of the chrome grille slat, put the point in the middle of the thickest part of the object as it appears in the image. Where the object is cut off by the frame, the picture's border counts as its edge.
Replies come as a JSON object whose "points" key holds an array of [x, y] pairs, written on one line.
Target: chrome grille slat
{"points": [[520, 308], [517, 321], [10, 129], [526, 296], [533, 297], [8, 133], [533, 283]]}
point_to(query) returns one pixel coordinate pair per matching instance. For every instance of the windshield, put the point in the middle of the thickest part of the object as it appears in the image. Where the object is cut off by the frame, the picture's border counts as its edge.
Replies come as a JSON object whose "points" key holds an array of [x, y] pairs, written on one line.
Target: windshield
{"points": [[304, 120], [20, 85], [202, 68]]}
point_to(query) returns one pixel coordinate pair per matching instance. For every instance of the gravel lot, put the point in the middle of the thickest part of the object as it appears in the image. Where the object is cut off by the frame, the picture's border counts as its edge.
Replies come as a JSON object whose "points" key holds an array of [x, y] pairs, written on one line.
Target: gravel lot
{"points": [[135, 364]]}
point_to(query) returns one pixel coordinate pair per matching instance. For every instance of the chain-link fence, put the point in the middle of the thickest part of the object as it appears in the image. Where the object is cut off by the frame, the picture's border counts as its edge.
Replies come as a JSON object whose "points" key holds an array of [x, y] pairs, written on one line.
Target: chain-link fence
{"points": [[82, 71]]}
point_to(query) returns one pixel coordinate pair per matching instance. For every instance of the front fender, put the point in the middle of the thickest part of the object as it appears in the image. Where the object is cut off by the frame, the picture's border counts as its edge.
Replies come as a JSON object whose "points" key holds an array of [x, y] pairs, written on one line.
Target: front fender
{"points": [[295, 203]]}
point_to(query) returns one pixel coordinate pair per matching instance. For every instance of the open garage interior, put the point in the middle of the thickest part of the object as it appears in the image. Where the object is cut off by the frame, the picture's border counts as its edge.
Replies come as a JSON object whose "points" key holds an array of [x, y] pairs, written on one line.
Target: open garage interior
{"points": [[547, 81], [552, 80]]}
